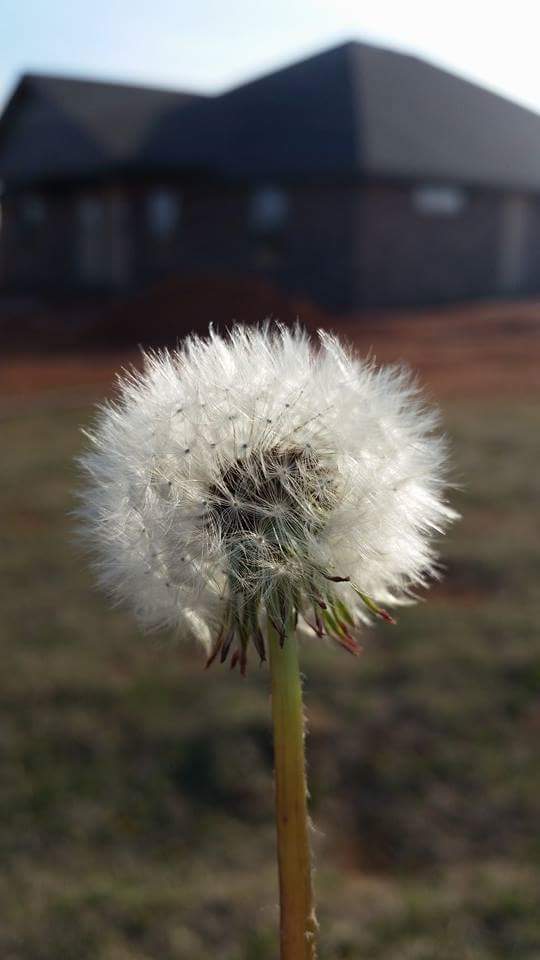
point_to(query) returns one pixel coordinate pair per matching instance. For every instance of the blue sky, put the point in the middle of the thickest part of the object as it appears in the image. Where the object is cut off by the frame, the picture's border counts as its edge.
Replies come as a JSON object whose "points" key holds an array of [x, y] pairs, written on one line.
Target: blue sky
{"points": [[209, 45]]}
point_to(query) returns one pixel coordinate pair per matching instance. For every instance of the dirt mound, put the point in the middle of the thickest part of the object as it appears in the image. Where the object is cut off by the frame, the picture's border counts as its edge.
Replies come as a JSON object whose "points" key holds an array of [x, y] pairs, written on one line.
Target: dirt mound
{"points": [[158, 315], [168, 311], [486, 348]]}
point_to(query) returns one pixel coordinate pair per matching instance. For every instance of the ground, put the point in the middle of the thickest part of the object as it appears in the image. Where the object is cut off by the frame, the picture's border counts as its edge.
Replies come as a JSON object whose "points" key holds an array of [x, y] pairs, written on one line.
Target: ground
{"points": [[136, 800]]}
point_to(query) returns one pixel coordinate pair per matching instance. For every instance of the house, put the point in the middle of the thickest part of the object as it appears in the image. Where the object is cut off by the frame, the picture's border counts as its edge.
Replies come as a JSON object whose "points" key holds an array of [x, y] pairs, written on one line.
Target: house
{"points": [[359, 176]]}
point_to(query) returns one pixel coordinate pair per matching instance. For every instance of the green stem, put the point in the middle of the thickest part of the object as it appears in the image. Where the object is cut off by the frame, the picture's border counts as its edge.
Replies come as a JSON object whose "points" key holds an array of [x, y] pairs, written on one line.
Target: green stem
{"points": [[298, 924]]}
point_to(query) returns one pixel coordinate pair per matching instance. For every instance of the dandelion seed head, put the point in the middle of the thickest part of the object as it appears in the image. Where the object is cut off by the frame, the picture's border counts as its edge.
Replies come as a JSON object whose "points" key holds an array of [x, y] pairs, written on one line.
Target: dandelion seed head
{"points": [[260, 475]]}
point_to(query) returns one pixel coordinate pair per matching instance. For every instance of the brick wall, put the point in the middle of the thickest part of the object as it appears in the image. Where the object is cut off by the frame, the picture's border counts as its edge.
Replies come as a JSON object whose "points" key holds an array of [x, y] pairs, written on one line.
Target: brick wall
{"points": [[342, 245], [407, 256]]}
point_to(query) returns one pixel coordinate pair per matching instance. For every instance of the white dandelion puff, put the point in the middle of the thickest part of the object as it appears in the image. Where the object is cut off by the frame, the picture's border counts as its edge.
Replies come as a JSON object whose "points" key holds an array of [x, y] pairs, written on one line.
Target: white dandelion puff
{"points": [[258, 476]]}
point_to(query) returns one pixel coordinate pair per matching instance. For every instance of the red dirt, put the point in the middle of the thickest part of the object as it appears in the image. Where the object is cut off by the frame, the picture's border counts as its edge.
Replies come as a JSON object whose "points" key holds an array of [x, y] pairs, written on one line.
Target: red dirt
{"points": [[467, 350]]}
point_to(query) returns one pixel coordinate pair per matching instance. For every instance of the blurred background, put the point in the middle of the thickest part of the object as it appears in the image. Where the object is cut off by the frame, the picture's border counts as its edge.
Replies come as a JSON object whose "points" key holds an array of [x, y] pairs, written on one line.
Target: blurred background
{"points": [[375, 172]]}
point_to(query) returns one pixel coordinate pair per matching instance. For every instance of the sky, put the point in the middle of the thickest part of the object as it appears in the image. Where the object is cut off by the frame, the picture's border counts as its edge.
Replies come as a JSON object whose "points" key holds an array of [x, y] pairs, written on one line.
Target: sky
{"points": [[210, 45]]}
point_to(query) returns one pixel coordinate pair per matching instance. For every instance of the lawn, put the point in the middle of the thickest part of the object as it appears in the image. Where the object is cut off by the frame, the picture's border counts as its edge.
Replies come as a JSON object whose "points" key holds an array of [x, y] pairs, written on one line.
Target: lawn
{"points": [[136, 817]]}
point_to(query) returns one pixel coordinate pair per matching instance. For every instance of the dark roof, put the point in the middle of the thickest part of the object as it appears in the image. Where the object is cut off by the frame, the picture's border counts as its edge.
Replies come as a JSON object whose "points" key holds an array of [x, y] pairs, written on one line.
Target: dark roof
{"points": [[358, 110], [417, 120], [296, 121], [59, 126], [354, 110]]}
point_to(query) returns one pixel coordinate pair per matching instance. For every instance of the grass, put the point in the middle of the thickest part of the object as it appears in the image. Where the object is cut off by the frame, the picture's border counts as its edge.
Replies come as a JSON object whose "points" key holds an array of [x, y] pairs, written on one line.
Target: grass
{"points": [[136, 807]]}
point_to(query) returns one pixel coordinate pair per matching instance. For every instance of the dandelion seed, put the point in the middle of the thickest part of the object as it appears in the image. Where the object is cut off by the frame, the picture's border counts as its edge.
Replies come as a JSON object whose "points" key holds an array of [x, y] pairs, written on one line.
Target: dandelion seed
{"points": [[343, 492]]}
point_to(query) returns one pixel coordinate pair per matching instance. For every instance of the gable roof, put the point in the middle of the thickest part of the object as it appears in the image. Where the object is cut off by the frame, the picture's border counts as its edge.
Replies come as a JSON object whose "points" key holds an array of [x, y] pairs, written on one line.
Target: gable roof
{"points": [[292, 122], [358, 110], [354, 110], [60, 126]]}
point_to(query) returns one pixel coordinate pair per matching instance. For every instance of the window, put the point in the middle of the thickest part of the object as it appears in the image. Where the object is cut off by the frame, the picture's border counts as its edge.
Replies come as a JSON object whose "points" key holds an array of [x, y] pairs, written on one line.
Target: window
{"points": [[120, 237], [438, 200], [163, 211], [92, 237], [103, 238], [33, 211], [268, 210]]}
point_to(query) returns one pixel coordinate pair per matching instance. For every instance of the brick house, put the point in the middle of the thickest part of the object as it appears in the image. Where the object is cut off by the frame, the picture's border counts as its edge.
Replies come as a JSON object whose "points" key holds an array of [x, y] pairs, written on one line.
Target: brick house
{"points": [[359, 176]]}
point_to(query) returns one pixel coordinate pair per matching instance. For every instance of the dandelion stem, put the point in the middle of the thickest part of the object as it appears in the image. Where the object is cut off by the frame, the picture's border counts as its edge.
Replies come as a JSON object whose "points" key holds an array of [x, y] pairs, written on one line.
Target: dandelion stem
{"points": [[298, 924]]}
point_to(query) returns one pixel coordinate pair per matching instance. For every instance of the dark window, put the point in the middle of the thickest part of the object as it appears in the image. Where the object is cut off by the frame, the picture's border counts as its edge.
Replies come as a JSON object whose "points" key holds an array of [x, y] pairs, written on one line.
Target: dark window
{"points": [[33, 210], [164, 208], [268, 214], [93, 239], [268, 210], [436, 200]]}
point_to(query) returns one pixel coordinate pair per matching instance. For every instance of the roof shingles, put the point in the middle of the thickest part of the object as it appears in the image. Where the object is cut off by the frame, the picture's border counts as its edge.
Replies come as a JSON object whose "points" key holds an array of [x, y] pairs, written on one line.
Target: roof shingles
{"points": [[354, 110]]}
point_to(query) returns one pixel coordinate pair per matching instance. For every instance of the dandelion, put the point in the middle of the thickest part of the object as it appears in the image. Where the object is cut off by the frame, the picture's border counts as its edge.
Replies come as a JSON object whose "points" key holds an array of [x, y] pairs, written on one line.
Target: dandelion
{"points": [[252, 488]]}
